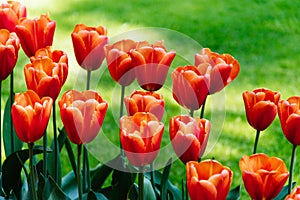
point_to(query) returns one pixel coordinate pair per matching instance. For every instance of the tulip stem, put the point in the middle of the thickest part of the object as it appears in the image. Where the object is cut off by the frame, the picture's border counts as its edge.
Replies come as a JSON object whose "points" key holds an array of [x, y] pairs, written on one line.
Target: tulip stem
{"points": [[32, 173], [192, 113], [141, 184], [292, 169], [88, 79], [121, 114], [55, 144], [11, 103], [78, 172], [45, 141], [203, 108], [256, 141]]}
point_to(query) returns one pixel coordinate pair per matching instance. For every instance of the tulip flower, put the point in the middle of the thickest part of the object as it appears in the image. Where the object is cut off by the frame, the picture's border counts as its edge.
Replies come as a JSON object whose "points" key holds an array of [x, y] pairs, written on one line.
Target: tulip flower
{"points": [[189, 137], [294, 195], [9, 48], [82, 114], [30, 115], [47, 72], [10, 15], [140, 137], [263, 176], [208, 180], [190, 87], [222, 68], [145, 101], [88, 43], [289, 115], [261, 107], [119, 61], [151, 65], [35, 34]]}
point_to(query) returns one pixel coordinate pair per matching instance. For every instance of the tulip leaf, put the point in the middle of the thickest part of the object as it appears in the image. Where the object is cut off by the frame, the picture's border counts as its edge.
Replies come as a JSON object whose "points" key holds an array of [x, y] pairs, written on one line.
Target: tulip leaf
{"points": [[101, 172], [165, 179], [11, 169], [69, 185], [10, 139], [148, 190], [53, 191], [234, 194], [284, 192], [95, 196]]}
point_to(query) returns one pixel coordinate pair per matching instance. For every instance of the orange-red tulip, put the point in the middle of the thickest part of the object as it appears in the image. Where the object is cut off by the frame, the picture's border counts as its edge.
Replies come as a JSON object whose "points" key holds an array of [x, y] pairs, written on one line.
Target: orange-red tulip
{"points": [[88, 43], [47, 72], [30, 115], [261, 107], [10, 14], [145, 101], [222, 68], [294, 195], [189, 137], [190, 87], [140, 137], [119, 61], [289, 115], [208, 180], [35, 34], [263, 176], [9, 48], [152, 64], [82, 114]]}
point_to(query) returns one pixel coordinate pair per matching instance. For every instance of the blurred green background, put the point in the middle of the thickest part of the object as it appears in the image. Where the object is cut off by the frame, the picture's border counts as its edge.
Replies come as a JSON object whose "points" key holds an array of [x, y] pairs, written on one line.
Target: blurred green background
{"points": [[262, 35]]}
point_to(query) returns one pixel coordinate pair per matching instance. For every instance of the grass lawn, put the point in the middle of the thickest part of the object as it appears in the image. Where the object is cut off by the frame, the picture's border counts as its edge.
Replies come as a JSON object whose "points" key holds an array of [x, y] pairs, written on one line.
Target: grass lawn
{"points": [[263, 35]]}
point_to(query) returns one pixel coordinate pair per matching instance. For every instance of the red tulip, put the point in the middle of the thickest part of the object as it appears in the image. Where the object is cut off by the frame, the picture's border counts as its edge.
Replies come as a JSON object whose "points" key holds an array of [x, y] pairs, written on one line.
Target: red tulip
{"points": [[82, 114], [88, 43], [47, 72], [295, 194], [222, 68], [144, 101], [10, 15], [208, 180], [35, 34], [140, 137], [263, 176], [189, 137], [190, 87], [261, 107], [289, 115], [119, 61], [152, 63], [30, 115], [9, 47]]}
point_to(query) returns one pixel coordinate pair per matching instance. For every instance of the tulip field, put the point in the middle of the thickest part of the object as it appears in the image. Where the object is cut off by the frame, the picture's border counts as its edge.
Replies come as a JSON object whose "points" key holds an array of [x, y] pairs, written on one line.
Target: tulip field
{"points": [[255, 43]]}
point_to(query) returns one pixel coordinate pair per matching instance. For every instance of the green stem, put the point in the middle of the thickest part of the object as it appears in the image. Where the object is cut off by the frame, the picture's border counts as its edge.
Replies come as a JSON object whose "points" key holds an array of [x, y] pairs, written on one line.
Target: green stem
{"points": [[182, 189], [121, 114], [141, 184], [203, 108], [32, 173], [192, 113], [88, 79], [55, 144], [12, 140], [256, 141], [78, 172], [45, 141], [292, 169]]}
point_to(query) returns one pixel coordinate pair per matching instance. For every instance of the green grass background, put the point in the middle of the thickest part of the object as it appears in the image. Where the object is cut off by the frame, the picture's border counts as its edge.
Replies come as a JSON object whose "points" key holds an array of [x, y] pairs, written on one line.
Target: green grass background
{"points": [[263, 35]]}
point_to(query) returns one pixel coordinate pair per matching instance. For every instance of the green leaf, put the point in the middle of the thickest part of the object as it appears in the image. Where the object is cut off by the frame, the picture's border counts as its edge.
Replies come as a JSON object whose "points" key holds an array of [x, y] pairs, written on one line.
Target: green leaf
{"points": [[101, 172], [11, 170], [7, 138], [133, 192], [164, 180], [95, 196], [148, 190], [284, 192], [55, 191], [50, 158], [69, 185], [234, 194]]}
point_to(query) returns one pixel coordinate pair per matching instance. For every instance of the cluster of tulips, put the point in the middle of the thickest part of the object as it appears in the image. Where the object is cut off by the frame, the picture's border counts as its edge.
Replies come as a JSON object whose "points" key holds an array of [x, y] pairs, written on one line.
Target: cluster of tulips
{"points": [[141, 130]]}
